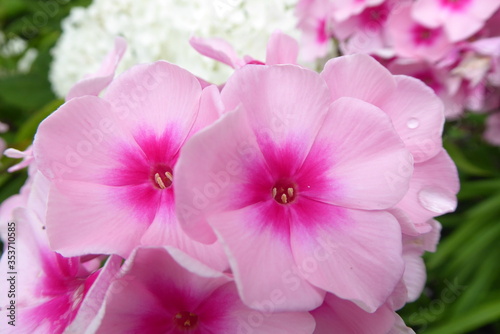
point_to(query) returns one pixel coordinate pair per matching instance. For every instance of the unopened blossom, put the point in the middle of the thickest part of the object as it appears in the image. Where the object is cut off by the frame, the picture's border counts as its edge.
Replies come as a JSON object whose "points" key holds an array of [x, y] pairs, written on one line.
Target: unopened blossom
{"points": [[295, 186], [111, 160], [164, 291]]}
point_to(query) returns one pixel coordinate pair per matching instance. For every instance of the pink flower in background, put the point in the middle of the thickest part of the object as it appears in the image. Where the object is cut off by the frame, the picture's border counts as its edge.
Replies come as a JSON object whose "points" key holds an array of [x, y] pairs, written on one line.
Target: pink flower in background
{"points": [[314, 18], [111, 160], [3, 128], [343, 10], [365, 32], [295, 187], [52, 288], [411, 39], [459, 18], [492, 133], [164, 291]]}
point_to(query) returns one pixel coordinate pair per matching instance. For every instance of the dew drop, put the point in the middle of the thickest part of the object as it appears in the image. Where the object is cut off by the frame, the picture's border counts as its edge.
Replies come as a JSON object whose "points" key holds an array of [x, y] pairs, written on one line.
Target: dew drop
{"points": [[437, 200], [412, 123]]}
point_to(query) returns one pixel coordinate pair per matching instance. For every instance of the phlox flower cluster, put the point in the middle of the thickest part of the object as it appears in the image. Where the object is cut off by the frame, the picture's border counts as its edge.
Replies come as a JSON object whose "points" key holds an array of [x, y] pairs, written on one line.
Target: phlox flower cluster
{"points": [[451, 45], [284, 201]]}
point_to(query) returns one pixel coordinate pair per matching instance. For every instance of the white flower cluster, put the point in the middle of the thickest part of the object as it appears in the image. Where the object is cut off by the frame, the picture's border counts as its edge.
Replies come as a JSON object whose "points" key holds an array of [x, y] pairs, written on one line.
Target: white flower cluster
{"points": [[160, 29]]}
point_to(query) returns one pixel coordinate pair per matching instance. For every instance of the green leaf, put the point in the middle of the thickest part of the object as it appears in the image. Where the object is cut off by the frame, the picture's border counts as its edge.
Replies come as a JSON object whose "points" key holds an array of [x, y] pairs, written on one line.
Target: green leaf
{"points": [[463, 164], [25, 92], [478, 188], [480, 316]]}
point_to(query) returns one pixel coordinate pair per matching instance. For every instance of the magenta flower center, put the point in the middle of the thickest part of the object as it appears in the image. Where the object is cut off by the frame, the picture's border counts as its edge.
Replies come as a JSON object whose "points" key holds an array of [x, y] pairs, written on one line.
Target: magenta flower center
{"points": [[455, 4], [284, 192], [186, 320], [161, 176], [423, 35]]}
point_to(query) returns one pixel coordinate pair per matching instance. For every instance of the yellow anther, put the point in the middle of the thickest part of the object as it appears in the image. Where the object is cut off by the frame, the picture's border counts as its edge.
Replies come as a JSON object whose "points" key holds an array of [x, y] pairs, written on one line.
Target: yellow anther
{"points": [[290, 192]]}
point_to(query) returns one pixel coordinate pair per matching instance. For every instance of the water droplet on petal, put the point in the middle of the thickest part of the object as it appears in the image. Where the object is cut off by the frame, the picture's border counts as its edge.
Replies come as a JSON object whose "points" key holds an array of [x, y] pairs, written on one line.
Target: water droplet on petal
{"points": [[437, 200], [413, 123]]}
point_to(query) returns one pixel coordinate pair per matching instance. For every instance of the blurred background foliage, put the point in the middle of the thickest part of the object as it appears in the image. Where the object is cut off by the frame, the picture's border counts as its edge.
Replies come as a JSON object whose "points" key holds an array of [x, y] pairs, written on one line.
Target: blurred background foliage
{"points": [[463, 287]]}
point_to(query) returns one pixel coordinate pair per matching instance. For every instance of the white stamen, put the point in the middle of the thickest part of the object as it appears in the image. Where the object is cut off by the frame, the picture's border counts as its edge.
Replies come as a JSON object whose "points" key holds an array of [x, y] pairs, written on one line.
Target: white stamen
{"points": [[290, 192], [284, 199], [274, 192], [169, 176], [159, 181]]}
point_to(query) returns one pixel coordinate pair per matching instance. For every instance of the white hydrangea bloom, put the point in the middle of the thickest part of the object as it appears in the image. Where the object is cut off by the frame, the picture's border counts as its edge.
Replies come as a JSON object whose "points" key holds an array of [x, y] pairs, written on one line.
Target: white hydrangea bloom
{"points": [[160, 29]]}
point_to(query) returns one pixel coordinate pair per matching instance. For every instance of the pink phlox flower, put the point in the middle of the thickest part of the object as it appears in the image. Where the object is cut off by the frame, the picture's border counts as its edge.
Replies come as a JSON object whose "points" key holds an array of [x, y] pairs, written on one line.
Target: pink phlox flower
{"points": [[411, 39], [290, 183], [492, 132], [460, 19], [110, 163], [161, 290]]}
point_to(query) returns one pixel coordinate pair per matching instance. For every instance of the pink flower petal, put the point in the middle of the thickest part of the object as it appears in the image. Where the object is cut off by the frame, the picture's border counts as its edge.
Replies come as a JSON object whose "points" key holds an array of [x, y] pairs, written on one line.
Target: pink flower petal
{"points": [[84, 220], [95, 296], [355, 254], [432, 192], [281, 49], [415, 275], [362, 154], [75, 142], [342, 316], [283, 103], [157, 95], [418, 116], [217, 49], [344, 75], [165, 230], [98, 81], [209, 162], [257, 254]]}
